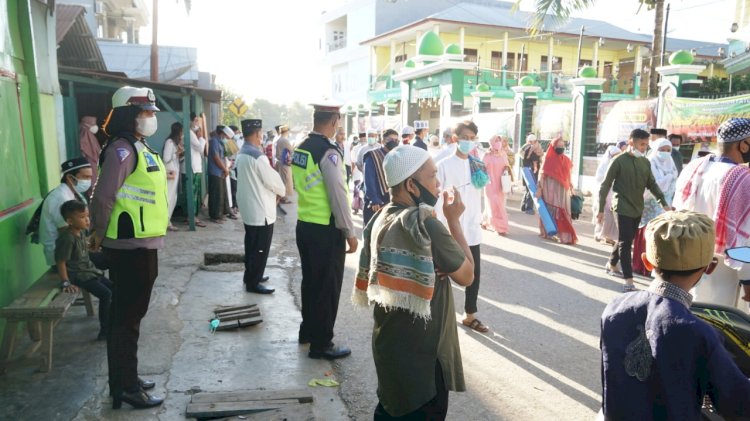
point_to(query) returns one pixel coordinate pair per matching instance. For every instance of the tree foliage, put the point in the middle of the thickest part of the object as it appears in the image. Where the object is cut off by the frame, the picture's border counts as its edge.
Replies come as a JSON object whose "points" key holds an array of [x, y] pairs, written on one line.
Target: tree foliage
{"points": [[272, 114], [560, 10]]}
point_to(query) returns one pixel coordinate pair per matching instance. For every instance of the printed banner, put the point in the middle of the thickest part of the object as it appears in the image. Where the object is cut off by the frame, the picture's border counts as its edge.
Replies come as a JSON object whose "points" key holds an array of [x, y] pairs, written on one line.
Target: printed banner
{"points": [[697, 119], [618, 118]]}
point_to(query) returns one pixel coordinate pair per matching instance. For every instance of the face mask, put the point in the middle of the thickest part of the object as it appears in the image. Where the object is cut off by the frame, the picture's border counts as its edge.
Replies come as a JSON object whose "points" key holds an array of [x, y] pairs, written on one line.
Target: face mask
{"points": [[559, 151], [665, 155], [676, 148], [372, 140], [94, 129], [237, 138], [195, 128], [466, 146], [146, 126], [391, 144], [82, 185], [425, 196], [637, 153]]}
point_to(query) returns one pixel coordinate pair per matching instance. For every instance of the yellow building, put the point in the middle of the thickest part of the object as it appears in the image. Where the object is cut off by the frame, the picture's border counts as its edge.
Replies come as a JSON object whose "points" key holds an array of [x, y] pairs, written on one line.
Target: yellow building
{"points": [[494, 39]]}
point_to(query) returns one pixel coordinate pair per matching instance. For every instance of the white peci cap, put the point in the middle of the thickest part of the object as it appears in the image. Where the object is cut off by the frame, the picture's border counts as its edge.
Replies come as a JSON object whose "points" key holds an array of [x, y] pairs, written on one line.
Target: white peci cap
{"points": [[531, 137], [403, 161]]}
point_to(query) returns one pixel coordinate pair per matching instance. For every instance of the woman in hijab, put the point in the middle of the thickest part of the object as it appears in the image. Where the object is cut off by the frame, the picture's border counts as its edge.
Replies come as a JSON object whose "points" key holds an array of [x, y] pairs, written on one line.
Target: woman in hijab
{"points": [[556, 187], [496, 161], [90, 147], [606, 231], [665, 173]]}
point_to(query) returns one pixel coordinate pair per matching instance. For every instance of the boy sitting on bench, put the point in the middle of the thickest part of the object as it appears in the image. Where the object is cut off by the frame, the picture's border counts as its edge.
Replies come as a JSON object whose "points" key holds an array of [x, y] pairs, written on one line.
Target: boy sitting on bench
{"points": [[74, 264]]}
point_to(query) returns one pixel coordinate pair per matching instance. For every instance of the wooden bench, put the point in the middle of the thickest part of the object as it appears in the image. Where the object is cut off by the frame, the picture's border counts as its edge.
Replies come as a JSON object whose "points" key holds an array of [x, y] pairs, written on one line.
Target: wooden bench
{"points": [[41, 306]]}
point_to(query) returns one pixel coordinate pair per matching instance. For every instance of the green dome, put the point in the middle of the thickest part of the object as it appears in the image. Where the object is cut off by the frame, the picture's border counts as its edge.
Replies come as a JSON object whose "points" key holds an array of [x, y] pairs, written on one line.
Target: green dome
{"points": [[453, 49], [681, 57], [410, 63], [587, 71], [391, 101], [526, 81], [430, 45], [483, 87]]}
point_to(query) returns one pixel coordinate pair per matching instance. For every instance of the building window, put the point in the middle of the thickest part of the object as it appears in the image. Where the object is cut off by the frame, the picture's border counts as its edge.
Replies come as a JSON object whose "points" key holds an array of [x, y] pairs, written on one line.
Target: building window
{"points": [[470, 55], [496, 61], [556, 64], [338, 41], [400, 58], [514, 58], [608, 69]]}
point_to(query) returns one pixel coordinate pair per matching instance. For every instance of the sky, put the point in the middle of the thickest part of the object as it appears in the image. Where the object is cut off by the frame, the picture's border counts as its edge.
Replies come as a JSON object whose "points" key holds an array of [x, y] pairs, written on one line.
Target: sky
{"points": [[269, 49]]}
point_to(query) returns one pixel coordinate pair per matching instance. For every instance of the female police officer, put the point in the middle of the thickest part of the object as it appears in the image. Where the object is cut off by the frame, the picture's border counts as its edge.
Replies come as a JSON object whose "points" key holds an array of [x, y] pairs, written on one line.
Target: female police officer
{"points": [[130, 217]]}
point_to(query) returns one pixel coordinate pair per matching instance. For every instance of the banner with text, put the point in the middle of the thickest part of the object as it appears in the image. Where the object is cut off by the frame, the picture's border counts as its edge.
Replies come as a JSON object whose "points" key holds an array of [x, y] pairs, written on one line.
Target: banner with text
{"points": [[697, 119], [618, 118]]}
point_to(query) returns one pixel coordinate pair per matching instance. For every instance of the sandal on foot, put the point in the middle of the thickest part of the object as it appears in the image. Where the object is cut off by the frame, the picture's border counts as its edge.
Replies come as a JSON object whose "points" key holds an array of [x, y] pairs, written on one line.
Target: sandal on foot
{"points": [[629, 288], [476, 325], [200, 224], [613, 271]]}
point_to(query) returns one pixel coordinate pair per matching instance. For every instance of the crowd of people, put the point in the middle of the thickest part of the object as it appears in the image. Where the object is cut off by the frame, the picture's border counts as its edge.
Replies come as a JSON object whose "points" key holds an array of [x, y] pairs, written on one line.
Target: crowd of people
{"points": [[425, 203]]}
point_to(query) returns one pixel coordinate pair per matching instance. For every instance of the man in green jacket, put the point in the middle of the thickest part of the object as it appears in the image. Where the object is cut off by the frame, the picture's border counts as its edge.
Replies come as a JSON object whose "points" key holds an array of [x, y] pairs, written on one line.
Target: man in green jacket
{"points": [[629, 175]]}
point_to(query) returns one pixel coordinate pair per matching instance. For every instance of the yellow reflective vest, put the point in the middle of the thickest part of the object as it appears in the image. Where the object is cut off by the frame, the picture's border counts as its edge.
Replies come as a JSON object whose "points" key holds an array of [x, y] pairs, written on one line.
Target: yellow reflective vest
{"points": [[142, 197]]}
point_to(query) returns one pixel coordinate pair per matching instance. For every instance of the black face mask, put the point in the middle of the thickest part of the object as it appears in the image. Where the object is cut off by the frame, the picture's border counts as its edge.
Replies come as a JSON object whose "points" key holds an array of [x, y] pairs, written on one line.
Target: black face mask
{"points": [[425, 196], [391, 144], [746, 155], [559, 151]]}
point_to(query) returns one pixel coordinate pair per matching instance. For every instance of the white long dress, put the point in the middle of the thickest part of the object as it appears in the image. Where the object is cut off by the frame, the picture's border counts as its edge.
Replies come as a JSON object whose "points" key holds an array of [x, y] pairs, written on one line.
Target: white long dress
{"points": [[172, 165]]}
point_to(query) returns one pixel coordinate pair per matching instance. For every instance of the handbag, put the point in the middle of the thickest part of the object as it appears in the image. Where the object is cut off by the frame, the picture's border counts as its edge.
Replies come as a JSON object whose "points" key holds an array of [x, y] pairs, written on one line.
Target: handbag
{"points": [[576, 206], [506, 183]]}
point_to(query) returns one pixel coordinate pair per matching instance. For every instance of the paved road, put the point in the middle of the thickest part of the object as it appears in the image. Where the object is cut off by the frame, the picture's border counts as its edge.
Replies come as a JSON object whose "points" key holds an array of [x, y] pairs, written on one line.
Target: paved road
{"points": [[542, 301]]}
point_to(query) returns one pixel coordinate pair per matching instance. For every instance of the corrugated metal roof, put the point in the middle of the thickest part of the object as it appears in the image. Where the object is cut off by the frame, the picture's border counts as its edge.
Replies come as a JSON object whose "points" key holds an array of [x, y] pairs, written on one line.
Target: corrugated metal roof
{"points": [[501, 15], [76, 44]]}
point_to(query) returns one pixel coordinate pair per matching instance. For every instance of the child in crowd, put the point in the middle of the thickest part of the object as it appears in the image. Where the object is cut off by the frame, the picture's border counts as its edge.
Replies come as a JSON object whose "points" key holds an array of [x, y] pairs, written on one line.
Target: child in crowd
{"points": [[658, 359], [74, 264]]}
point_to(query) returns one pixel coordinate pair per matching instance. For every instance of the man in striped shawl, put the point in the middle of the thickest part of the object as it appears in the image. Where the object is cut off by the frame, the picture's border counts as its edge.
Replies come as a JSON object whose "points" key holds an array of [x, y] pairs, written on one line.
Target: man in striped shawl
{"points": [[719, 186], [404, 269], [376, 188]]}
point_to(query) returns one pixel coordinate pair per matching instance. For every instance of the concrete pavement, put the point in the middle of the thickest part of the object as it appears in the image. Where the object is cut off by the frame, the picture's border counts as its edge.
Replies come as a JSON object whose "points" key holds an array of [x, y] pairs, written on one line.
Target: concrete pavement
{"points": [[176, 349], [540, 361]]}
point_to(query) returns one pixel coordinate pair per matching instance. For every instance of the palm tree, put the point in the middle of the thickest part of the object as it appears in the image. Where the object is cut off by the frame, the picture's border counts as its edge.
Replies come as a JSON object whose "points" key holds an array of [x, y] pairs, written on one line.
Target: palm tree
{"points": [[561, 10]]}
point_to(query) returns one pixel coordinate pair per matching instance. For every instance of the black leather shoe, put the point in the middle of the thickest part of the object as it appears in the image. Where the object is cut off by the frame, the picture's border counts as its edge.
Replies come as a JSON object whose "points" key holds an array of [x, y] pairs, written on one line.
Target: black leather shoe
{"points": [[330, 353], [138, 400], [264, 279], [146, 384], [260, 289]]}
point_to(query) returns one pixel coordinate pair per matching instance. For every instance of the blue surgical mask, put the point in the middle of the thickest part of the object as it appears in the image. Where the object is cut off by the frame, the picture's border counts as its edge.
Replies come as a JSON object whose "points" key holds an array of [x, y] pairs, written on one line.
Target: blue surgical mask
{"points": [[466, 146], [665, 155], [82, 185]]}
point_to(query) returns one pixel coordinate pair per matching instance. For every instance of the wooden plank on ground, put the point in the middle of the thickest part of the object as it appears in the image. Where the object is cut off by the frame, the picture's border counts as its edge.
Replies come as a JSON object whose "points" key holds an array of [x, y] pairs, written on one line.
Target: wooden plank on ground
{"points": [[250, 321], [238, 315], [226, 409], [301, 395], [228, 309]]}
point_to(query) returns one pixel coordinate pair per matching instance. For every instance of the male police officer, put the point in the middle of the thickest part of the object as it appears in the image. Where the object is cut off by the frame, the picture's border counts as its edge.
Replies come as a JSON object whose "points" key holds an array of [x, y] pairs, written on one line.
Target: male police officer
{"points": [[324, 228], [130, 216]]}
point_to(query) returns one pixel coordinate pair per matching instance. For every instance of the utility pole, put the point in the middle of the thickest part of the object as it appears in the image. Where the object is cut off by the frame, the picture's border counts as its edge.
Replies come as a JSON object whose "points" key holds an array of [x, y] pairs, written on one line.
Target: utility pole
{"points": [[664, 38], [578, 57], [155, 42]]}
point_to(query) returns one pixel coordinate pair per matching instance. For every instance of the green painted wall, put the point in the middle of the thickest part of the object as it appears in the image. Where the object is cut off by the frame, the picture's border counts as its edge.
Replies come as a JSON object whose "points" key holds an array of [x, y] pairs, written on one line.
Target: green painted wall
{"points": [[28, 147]]}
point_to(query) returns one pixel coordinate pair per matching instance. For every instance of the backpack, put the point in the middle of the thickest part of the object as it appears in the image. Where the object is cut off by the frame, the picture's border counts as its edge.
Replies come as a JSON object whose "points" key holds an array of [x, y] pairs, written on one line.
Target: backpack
{"points": [[32, 228]]}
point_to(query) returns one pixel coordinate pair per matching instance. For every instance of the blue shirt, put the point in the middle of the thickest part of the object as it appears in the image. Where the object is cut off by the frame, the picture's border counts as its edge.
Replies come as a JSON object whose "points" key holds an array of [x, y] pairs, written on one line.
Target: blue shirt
{"points": [[659, 360], [215, 148]]}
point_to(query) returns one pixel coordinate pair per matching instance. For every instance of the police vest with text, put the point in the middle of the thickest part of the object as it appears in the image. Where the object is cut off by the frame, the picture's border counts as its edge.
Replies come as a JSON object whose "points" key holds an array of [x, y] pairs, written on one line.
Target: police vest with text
{"points": [[313, 204], [142, 198]]}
